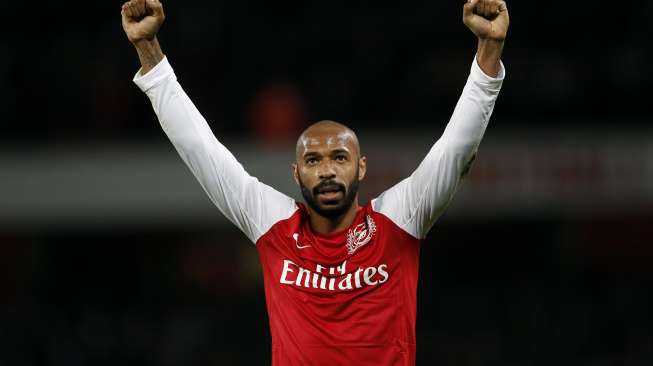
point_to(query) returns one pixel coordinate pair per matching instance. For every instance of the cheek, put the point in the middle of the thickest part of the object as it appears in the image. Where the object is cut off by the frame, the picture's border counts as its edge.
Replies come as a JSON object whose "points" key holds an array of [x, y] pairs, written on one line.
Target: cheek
{"points": [[348, 173], [307, 176]]}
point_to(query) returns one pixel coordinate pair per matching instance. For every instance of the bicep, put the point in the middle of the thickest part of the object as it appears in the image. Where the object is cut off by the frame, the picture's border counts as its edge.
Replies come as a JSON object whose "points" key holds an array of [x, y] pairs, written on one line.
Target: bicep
{"points": [[415, 203], [248, 203]]}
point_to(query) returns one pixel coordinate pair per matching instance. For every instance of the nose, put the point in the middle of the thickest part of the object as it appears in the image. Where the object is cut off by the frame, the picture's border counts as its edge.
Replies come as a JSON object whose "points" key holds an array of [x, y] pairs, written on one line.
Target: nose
{"points": [[326, 171]]}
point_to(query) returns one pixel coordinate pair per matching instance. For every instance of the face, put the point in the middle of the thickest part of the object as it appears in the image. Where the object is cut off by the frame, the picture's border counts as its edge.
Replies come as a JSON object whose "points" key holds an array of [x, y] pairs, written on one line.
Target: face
{"points": [[328, 170]]}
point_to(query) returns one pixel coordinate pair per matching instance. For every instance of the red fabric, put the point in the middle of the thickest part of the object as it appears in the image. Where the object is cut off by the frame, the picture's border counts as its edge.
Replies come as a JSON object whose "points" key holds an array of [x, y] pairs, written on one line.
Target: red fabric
{"points": [[362, 313]]}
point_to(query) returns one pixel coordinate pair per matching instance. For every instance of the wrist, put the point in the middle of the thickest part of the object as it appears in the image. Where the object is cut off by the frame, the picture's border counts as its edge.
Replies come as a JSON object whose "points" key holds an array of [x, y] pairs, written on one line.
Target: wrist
{"points": [[145, 44], [490, 43], [488, 55], [149, 52]]}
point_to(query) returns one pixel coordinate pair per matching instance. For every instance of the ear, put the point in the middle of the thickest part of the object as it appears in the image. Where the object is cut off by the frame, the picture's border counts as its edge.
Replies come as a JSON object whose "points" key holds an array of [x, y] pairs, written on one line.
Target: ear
{"points": [[295, 173], [362, 167]]}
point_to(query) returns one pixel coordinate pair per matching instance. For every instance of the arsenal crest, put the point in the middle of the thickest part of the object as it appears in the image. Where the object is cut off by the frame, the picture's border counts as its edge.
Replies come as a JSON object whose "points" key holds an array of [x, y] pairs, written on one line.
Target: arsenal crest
{"points": [[360, 235]]}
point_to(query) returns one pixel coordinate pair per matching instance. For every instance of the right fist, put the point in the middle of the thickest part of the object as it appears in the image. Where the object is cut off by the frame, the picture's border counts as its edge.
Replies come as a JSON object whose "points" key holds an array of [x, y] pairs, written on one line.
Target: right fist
{"points": [[141, 19]]}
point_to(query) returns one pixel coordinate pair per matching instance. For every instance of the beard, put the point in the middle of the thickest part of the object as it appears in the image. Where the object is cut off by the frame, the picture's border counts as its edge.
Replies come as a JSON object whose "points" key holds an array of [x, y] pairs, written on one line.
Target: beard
{"points": [[334, 208]]}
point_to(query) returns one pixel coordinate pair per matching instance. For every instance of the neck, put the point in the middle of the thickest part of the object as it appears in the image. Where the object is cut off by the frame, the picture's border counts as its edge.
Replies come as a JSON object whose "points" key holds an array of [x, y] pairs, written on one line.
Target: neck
{"points": [[328, 225]]}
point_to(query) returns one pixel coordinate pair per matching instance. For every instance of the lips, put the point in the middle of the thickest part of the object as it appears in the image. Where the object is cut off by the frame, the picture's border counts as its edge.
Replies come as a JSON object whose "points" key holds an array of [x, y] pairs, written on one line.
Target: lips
{"points": [[330, 192], [330, 195], [327, 189]]}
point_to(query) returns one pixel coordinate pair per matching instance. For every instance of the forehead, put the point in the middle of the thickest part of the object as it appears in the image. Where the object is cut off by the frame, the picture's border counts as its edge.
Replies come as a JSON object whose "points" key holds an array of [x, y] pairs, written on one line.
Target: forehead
{"points": [[325, 140]]}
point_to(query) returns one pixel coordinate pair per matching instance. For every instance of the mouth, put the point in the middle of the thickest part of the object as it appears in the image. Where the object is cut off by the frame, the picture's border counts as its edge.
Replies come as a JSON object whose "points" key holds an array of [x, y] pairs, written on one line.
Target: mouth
{"points": [[330, 193]]}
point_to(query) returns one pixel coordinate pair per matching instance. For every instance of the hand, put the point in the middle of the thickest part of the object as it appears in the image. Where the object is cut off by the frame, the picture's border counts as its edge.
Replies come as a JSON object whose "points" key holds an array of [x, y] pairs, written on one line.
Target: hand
{"points": [[487, 19], [141, 19]]}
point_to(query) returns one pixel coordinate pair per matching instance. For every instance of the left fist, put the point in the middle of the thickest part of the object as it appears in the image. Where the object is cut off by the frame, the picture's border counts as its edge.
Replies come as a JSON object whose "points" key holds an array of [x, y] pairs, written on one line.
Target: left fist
{"points": [[487, 19]]}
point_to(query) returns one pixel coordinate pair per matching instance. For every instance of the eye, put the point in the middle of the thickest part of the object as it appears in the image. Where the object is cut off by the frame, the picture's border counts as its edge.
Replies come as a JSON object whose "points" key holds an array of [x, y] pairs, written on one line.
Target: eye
{"points": [[341, 158], [311, 161]]}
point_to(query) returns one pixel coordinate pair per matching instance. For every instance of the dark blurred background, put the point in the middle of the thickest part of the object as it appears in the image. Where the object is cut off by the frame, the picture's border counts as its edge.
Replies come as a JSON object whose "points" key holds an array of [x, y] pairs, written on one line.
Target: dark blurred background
{"points": [[111, 254]]}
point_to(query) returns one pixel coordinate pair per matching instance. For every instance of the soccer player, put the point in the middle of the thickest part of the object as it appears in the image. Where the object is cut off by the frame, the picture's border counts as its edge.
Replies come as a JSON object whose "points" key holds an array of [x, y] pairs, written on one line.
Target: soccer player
{"points": [[340, 279]]}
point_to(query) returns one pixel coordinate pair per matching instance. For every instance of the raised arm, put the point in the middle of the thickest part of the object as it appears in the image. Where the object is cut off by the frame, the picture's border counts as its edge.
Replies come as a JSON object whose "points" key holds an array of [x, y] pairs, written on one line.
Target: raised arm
{"points": [[416, 202], [251, 205], [141, 20]]}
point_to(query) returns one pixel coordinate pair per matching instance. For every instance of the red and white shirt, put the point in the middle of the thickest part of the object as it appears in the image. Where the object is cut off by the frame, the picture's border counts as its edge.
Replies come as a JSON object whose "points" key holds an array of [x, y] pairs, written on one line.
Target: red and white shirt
{"points": [[347, 298]]}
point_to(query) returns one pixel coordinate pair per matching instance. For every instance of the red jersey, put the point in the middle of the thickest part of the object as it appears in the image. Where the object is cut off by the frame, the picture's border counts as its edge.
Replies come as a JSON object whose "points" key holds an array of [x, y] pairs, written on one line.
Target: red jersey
{"points": [[341, 299], [347, 298]]}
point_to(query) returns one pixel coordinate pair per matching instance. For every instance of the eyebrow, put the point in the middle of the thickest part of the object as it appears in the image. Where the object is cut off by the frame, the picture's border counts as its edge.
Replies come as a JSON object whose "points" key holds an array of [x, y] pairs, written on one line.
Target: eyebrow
{"points": [[338, 151], [311, 154], [333, 152]]}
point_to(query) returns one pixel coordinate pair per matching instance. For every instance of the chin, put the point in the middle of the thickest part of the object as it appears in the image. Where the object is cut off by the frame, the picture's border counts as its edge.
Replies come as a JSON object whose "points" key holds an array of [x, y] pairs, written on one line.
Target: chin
{"points": [[333, 210]]}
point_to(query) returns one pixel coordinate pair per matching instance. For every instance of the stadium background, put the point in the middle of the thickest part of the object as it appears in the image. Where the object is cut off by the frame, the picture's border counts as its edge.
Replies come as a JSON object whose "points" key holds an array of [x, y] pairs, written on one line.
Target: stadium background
{"points": [[111, 254]]}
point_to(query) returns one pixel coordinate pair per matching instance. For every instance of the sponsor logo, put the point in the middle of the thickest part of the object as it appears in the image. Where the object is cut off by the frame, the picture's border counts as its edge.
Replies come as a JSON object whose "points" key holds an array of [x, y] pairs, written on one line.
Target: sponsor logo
{"points": [[360, 235], [296, 237], [333, 278]]}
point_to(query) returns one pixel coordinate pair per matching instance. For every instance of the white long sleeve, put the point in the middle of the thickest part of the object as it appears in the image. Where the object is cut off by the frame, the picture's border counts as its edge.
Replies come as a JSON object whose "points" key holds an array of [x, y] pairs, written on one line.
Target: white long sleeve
{"points": [[251, 205], [415, 203]]}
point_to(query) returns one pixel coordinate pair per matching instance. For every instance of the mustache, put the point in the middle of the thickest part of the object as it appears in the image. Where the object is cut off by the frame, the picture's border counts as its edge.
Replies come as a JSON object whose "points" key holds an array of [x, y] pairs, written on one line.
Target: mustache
{"points": [[328, 185]]}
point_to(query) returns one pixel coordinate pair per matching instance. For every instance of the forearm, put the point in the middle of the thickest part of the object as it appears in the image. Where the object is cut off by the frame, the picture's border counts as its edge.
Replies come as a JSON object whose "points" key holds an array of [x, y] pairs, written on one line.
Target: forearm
{"points": [[488, 56], [473, 110], [149, 53]]}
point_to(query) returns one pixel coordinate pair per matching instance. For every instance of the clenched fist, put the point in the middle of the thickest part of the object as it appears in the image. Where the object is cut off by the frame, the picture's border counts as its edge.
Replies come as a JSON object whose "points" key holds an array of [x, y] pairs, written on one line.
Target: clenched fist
{"points": [[141, 19], [487, 19]]}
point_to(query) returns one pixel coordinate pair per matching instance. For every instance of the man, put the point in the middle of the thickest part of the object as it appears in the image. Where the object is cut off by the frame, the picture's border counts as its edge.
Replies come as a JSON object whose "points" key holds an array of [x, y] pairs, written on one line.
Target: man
{"points": [[340, 279]]}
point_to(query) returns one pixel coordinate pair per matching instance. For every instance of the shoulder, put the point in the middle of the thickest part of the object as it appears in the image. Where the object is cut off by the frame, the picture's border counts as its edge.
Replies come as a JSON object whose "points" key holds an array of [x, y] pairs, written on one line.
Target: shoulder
{"points": [[392, 211], [289, 223]]}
